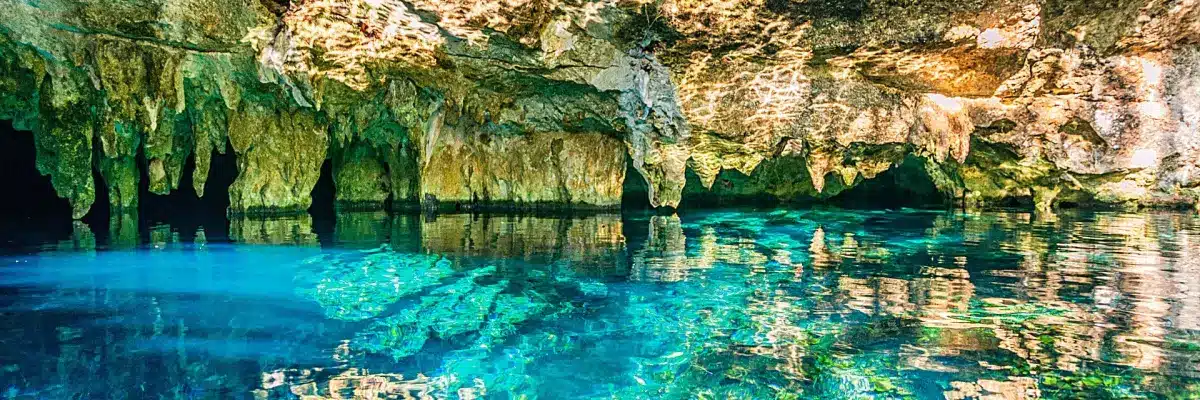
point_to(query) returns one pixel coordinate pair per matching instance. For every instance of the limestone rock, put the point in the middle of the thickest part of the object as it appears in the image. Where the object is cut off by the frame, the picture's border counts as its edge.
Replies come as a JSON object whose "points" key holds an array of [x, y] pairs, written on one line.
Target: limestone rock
{"points": [[548, 102], [64, 139], [359, 177], [279, 159], [544, 168]]}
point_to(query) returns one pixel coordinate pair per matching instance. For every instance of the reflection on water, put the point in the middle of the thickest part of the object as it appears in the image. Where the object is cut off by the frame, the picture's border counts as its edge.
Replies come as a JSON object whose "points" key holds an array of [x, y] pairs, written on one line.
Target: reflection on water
{"points": [[764, 305], [283, 230]]}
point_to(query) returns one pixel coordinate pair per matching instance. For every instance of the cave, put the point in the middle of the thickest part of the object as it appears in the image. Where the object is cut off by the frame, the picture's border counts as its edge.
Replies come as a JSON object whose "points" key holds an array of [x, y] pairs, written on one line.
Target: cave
{"points": [[905, 185], [634, 190], [207, 211], [32, 201], [438, 199], [324, 207], [19, 157]]}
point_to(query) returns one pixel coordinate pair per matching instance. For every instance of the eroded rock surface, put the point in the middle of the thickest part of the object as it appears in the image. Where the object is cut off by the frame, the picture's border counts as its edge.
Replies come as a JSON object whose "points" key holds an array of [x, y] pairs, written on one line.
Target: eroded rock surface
{"points": [[527, 103]]}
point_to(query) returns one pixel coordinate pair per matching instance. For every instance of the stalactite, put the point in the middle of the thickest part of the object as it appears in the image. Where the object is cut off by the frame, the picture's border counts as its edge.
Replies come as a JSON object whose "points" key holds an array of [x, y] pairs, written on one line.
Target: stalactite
{"points": [[768, 101], [64, 139], [279, 159]]}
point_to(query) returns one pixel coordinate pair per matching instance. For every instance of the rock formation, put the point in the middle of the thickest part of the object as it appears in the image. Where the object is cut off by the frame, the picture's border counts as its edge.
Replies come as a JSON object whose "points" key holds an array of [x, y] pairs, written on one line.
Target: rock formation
{"points": [[546, 102]]}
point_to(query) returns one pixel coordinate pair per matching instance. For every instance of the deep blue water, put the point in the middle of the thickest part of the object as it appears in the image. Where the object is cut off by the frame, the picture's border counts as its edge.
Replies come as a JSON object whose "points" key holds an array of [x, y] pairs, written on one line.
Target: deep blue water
{"points": [[737, 304]]}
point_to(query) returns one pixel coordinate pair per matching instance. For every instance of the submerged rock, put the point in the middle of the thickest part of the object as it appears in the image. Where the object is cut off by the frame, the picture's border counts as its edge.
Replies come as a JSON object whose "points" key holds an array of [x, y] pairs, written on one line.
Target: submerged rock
{"points": [[360, 285], [477, 307], [526, 104]]}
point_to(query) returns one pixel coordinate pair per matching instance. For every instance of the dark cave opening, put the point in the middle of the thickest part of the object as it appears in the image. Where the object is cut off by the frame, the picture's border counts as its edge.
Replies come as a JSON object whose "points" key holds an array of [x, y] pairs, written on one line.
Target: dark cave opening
{"points": [[324, 200], [906, 185], [32, 200], [182, 208], [785, 182], [731, 188], [634, 190]]}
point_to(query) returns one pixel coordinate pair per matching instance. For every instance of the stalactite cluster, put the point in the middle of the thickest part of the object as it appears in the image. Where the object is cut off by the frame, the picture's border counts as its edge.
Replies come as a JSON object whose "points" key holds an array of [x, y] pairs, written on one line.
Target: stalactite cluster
{"points": [[531, 103]]}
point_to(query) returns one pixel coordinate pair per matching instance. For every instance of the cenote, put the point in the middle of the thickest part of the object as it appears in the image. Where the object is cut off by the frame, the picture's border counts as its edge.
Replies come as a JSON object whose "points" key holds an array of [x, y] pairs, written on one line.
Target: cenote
{"points": [[773, 304], [599, 199]]}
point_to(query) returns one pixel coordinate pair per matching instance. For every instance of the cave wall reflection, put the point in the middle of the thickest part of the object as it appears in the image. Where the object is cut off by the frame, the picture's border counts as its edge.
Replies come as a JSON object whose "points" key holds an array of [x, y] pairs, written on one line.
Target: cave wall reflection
{"points": [[1051, 295]]}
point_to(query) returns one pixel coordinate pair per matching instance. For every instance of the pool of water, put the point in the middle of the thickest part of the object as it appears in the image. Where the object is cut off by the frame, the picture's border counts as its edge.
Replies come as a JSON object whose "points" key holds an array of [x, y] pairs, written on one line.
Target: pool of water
{"points": [[735, 304]]}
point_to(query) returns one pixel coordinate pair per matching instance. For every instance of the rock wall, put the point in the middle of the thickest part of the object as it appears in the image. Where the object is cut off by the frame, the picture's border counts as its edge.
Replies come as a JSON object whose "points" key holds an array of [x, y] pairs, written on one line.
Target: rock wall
{"points": [[540, 168], [533, 103]]}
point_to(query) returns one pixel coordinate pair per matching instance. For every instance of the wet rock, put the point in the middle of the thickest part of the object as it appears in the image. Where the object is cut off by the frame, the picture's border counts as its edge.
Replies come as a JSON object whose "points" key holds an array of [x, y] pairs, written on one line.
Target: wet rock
{"points": [[64, 139], [123, 230], [279, 159], [21, 74], [360, 177]]}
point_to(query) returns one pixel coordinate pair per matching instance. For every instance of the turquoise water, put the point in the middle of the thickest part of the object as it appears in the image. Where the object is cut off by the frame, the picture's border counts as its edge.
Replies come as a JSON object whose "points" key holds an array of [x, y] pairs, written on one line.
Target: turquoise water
{"points": [[747, 304]]}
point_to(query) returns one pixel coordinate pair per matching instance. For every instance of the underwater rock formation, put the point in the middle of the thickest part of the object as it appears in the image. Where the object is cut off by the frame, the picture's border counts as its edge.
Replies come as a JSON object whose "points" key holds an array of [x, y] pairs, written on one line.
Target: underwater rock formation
{"points": [[374, 279], [531, 103]]}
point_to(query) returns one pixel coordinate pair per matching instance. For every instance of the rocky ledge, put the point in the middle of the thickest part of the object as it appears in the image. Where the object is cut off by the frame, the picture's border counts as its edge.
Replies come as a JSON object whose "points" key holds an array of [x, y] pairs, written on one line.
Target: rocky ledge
{"points": [[578, 102]]}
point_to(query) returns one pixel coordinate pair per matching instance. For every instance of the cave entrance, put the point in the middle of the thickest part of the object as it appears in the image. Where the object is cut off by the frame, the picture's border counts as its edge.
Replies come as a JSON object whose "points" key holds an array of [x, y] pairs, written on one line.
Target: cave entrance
{"points": [[906, 185], [184, 210], [32, 213], [324, 202], [786, 182], [634, 190]]}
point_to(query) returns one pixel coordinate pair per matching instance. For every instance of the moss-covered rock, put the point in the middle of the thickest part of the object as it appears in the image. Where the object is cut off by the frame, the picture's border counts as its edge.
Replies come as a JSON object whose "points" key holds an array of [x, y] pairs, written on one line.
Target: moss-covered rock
{"points": [[64, 139], [280, 153], [360, 177]]}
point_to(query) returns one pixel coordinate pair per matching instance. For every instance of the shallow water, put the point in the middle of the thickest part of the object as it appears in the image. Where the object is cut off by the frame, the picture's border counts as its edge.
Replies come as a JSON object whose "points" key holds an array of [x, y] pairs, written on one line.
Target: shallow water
{"points": [[736, 304]]}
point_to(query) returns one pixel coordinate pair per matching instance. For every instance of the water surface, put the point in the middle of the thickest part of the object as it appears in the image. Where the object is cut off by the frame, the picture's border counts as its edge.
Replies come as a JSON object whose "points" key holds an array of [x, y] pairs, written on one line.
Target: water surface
{"points": [[736, 304]]}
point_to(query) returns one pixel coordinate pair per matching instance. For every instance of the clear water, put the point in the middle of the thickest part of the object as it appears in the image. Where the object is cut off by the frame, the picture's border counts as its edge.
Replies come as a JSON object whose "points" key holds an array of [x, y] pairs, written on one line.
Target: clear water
{"points": [[745, 304]]}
